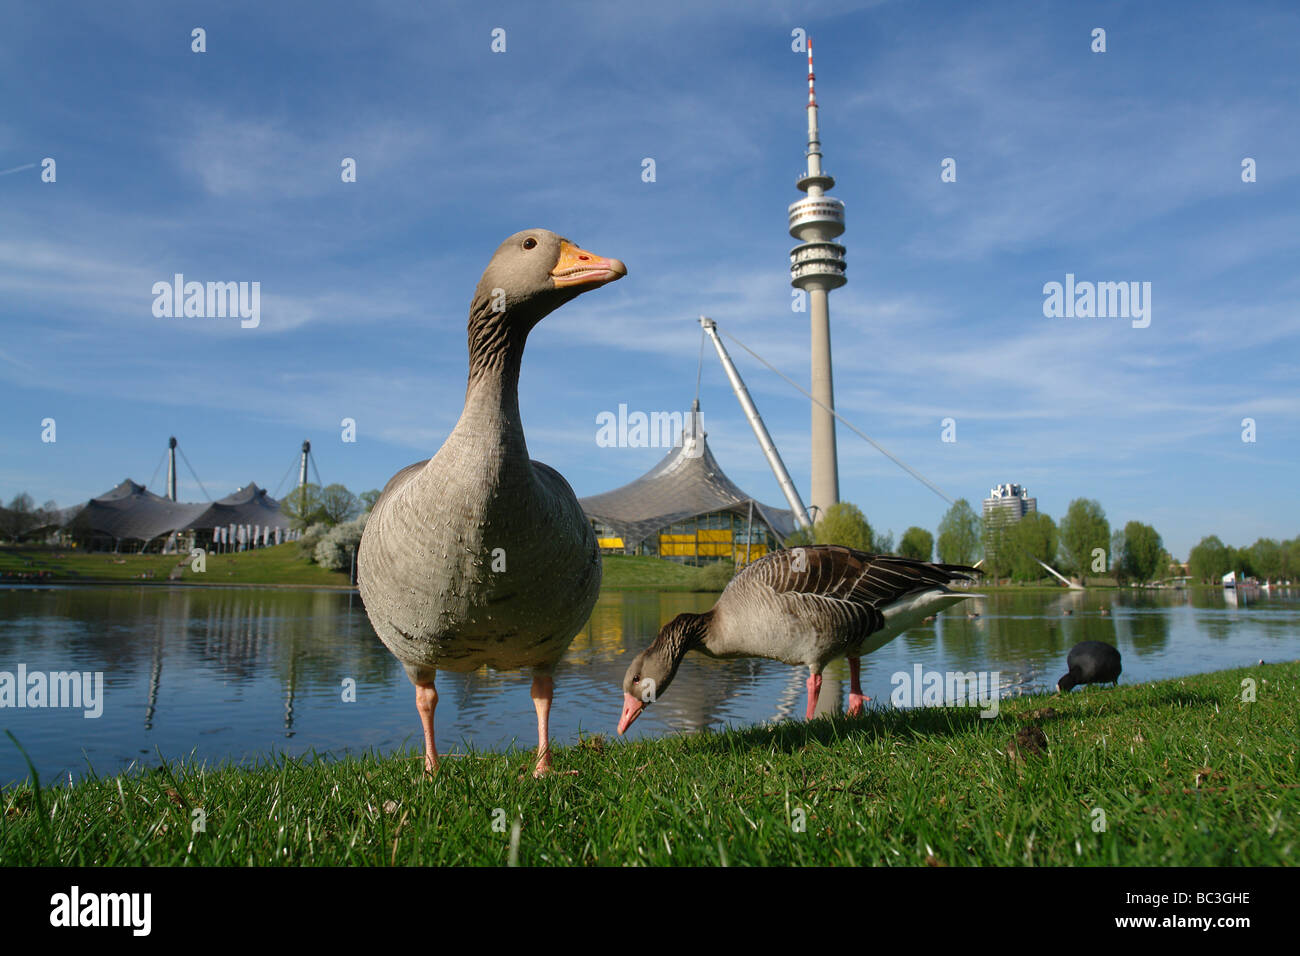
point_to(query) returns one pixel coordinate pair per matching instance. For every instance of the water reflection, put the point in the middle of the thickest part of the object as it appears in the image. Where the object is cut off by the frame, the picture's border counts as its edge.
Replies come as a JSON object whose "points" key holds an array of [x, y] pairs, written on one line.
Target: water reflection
{"points": [[237, 673]]}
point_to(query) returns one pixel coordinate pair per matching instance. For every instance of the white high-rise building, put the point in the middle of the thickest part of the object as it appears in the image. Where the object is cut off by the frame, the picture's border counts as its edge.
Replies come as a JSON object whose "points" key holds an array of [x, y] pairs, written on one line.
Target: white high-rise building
{"points": [[1007, 504]]}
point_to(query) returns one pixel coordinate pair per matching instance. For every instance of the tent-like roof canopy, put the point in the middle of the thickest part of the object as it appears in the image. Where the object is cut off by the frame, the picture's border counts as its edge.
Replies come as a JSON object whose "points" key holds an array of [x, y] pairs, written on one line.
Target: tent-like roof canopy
{"points": [[131, 511], [249, 505], [688, 482]]}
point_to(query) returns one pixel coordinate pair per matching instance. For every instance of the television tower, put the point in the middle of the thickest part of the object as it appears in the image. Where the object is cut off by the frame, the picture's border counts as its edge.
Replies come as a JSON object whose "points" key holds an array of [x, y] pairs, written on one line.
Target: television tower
{"points": [[817, 266]]}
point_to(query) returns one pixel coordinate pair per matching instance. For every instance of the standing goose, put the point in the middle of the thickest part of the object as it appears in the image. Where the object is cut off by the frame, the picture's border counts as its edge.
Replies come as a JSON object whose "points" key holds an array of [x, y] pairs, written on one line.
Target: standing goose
{"points": [[1090, 662], [806, 606], [480, 556]]}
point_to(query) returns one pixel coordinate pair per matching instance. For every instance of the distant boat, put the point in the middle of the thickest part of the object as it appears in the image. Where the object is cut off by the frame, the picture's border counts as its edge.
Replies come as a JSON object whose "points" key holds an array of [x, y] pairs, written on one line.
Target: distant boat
{"points": [[1230, 579]]}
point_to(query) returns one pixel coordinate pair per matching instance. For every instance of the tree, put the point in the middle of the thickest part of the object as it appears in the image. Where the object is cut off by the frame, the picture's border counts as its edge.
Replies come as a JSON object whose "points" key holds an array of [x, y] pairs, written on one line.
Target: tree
{"points": [[1118, 552], [1291, 559], [884, 543], [1266, 556], [19, 517], [800, 537], [996, 544], [1084, 529], [959, 534], [1032, 539], [368, 499], [1142, 551], [917, 544], [303, 506], [1209, 560], [845, 524], [1242, 561], [338, 505]]}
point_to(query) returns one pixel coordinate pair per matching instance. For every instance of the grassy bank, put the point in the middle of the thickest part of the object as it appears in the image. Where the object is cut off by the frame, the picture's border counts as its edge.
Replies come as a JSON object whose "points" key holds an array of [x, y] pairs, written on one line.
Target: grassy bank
{"points": [[285, 565], [642, 572], [1184, 772], [279, 565]]}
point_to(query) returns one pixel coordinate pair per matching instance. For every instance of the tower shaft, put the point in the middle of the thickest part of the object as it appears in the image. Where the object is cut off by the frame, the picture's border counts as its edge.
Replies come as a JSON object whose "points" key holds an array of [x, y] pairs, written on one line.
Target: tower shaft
{"points": [[825, 455], [817, 266]]}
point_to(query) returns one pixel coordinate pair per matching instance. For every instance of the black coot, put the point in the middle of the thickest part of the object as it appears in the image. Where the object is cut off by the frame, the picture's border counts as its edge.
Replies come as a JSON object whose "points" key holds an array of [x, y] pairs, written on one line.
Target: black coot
{"points": [[1091, 662]]}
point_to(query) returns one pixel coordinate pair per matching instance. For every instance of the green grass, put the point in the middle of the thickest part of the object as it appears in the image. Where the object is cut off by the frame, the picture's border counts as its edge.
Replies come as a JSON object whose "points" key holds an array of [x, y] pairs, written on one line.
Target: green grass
{"points": [[278, 565], [285, 565], [1184, 771], [637, 572], [281, 564]]}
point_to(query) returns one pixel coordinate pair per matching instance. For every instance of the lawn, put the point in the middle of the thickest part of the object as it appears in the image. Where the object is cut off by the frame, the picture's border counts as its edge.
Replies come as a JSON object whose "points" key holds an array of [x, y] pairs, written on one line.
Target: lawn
{"points": [[1177, 773], [285, 565], [282, 564]]}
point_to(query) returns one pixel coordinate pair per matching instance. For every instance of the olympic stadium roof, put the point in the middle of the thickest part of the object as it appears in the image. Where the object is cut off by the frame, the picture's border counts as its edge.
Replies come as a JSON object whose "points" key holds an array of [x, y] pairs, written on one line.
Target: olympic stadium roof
{"points": [[130, 511], [249, 505], [688, 482]]}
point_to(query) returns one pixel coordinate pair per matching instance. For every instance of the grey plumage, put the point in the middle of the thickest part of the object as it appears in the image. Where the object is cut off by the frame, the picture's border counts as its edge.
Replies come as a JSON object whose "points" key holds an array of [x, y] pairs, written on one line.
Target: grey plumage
{"points": [[479, 555], [805, 606]]}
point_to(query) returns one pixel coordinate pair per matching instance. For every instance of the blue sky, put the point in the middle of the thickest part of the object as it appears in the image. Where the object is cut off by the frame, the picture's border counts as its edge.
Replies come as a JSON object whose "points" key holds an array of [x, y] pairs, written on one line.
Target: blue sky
{"points": [[225, 166]]}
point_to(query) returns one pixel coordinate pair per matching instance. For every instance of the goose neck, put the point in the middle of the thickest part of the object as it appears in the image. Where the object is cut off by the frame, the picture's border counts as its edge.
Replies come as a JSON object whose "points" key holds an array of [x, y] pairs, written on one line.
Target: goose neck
{"points": [[496, 351], [497, 335], [677, 642]]}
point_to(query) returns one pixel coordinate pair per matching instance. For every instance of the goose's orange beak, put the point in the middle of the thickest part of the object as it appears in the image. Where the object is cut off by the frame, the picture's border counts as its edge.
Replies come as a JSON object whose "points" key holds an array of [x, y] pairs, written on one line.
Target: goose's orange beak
{"points": [[577, 267], [631, 711]]}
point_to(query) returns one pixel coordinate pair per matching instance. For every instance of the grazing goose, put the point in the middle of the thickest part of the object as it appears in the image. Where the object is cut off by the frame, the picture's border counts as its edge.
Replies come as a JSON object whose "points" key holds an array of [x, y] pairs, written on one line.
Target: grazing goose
{"points": [[1090, 662], [806, 606], [480, 556]]}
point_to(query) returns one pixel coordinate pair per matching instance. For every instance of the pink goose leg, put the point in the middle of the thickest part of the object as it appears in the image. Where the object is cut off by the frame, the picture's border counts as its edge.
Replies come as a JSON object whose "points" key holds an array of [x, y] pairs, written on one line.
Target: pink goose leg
{"points": [[814, 689], [426, 701], [856, 698], [543, 689]]}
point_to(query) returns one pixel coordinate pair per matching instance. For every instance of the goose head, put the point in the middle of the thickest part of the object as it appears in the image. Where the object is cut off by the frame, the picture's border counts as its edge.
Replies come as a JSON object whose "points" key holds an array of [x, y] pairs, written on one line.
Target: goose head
{"points": [[532, 274], [650, 673]]}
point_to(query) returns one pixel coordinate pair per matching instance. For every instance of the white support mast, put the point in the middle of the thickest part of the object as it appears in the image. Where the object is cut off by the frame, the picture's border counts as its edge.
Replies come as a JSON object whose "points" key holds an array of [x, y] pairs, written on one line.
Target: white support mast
{"points": [[760, 430], [171, 468]]}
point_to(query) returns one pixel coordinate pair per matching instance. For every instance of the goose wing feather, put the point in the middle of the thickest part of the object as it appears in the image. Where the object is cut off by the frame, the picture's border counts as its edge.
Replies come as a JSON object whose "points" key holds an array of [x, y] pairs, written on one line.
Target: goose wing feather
{"points": [[828, 599], [841, 574]]}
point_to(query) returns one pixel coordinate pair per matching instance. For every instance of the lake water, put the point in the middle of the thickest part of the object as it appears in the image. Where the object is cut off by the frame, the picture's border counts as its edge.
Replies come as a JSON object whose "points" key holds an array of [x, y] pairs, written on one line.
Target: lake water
{"points": [[234, 674]]}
